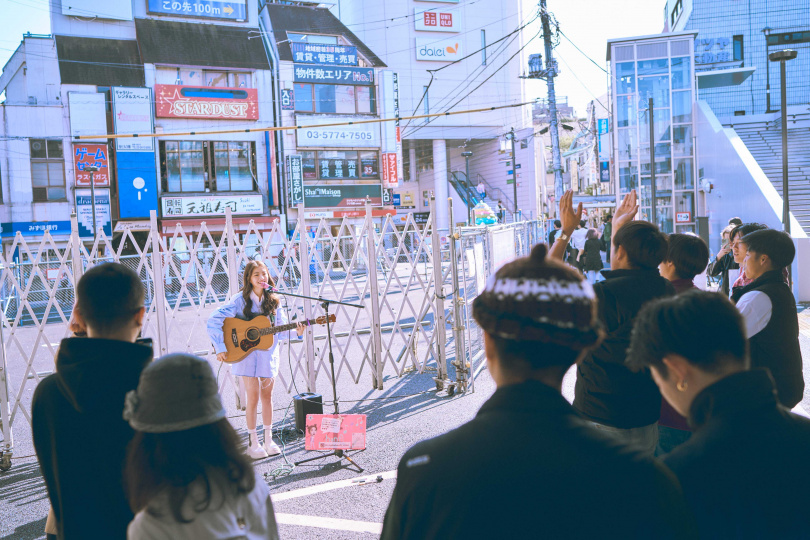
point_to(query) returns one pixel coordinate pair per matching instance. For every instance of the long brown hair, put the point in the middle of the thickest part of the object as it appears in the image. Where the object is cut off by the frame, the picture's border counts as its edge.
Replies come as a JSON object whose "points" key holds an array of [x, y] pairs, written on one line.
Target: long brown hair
{"points": [[269, 300], [173, 461]]}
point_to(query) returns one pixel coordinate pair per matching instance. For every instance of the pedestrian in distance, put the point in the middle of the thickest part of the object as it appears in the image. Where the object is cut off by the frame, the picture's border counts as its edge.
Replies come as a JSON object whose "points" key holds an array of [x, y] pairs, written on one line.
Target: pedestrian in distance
{"points": [[744, 471], [553, 233], [591, 256], [79, 436], [482, 192], [565, 479], [687, 256], [259, 368], [607, 234], [186, 475], [578, 238], [617, 400], [501, 213], [769, 309], [723, 262]]}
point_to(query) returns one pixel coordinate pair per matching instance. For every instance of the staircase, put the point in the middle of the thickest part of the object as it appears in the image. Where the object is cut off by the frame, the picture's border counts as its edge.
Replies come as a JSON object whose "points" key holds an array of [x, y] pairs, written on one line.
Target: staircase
{"points": [[764, 141], [469, 192]]}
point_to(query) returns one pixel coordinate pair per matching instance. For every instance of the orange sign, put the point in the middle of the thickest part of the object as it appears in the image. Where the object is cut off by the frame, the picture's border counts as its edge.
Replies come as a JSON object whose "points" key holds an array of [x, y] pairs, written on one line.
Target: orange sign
{"points": [[91, 155], [390, 170], [206, 102]]}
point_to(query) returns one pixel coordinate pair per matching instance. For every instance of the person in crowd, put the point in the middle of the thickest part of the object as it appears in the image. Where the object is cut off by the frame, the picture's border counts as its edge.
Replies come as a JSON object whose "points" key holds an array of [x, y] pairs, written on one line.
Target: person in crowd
{"points": [[744, 469], [258, 369], [614, 398], [553, 233], [79, 436], [607, 234], [769, 309], [735, 221], [572, 481], [186, 475], [724, 261], [578, 238], [591, 256], [687, 256], [738, 251]]}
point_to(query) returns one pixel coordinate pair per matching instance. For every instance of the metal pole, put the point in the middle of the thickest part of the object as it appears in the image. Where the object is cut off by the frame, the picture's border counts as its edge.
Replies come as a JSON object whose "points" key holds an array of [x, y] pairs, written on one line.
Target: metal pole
{"points": [[93, 202], [469, 190], [785, 185], [514, 175], [551, 72], [652, 163]]}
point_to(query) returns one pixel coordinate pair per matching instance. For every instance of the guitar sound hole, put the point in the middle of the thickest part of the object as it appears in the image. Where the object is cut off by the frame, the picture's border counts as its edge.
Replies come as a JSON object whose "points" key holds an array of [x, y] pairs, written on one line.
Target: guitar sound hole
{"points": [[252, 334]]}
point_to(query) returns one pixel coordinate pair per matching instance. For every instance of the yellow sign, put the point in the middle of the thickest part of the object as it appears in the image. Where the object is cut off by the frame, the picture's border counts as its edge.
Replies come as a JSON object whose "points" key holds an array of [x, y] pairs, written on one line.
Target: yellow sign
{"points": [[227, 10]]}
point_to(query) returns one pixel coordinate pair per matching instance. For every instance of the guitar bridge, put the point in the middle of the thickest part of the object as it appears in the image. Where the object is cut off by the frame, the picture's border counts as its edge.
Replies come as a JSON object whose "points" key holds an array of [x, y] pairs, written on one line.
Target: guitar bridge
{"points": [[234, 338]]}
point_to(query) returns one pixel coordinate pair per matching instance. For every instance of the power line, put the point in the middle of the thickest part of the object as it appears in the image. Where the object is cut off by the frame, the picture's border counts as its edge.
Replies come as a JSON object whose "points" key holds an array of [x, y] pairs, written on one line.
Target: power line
{"points": [[580, 50]]}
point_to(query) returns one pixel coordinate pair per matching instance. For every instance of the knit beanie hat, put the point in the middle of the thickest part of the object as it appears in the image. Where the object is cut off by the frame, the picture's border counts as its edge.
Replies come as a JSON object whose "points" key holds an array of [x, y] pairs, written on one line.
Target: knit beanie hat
{"points": [[534, 299], [175, 393]]}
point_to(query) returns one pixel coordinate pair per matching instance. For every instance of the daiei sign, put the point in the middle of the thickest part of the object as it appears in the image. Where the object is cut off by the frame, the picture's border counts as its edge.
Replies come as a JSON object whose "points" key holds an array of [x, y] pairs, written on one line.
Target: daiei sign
{"points": [[444, 50]]}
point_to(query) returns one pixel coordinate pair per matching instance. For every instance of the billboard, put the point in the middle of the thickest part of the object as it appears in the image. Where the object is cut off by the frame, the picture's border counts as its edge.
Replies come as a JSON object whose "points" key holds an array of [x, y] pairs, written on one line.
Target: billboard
{"points": [[334, 75], [233, 10], [137, 184], [206, 102], [342, 195], [181, 206], [91, 155], [84, 212], [132, 113], [312, 134], [88, 114], [328, 55]]}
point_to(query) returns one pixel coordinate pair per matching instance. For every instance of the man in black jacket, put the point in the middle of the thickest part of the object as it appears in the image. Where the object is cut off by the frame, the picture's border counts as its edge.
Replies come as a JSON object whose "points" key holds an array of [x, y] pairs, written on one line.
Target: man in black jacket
{"points": [[744, 470], [769, 310], [80, 435], [615, 399], [527, 466]]}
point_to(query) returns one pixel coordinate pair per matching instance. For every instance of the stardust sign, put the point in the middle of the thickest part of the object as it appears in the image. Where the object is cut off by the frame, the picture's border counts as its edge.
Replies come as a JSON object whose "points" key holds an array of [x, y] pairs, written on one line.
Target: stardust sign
{"points": [[206, 102]]}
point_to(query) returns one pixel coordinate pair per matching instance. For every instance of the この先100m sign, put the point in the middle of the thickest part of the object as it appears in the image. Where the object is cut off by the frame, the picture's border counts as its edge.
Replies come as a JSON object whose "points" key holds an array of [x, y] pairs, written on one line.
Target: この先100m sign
{"points": [[442, 50]]}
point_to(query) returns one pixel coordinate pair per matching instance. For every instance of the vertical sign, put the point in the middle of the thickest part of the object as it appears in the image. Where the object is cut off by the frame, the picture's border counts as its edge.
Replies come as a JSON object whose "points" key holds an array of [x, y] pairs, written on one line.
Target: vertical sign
{"points": [[287, 99], [391, 135], [399, 132], [132, 114], [137, 184], [296, 175], [91, 155], [390, 170]]}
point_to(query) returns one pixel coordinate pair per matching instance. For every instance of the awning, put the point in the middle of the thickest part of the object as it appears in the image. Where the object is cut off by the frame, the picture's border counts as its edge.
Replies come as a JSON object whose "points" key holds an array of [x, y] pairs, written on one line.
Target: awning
{"points": [[102, 62], [194, 44], [217, 224], [717, 78]]}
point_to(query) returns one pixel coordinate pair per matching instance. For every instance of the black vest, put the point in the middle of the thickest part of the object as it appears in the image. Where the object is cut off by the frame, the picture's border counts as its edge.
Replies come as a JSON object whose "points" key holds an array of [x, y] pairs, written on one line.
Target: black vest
{"points": [[776, 347]]}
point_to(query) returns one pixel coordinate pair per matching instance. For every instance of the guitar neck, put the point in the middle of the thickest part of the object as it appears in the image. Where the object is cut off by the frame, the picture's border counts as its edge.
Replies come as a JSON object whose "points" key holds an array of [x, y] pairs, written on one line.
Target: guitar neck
{"points": [[284, 327]]}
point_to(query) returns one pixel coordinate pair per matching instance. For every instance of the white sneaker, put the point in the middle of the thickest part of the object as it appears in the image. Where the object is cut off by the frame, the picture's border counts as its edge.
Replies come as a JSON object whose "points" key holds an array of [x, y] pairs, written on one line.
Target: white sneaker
{"points": [[271, 448], [256, 452]]}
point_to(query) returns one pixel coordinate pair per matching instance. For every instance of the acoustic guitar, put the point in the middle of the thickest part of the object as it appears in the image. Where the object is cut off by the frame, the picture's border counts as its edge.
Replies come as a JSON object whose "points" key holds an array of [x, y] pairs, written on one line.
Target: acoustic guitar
{"points": [[244, 337]]}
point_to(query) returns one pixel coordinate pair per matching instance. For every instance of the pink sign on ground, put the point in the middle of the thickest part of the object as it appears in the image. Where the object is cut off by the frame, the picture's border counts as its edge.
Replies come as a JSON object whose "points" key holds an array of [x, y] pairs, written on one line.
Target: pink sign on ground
{"points": [[335, 432]]}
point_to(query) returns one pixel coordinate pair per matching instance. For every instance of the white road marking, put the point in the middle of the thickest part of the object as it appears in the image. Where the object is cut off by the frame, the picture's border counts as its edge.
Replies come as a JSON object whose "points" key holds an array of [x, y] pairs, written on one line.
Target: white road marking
{"points": [[329, 523], [320, 488]]}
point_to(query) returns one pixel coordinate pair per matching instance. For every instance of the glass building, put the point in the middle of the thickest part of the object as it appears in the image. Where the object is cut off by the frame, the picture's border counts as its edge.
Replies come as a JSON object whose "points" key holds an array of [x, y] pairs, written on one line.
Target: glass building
{"points": [[658, 70]]}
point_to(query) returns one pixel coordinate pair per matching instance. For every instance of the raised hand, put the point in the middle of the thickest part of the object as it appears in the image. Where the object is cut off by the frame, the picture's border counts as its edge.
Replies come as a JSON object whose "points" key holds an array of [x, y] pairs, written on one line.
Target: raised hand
{"points": [[569, 217], [626, 211]]}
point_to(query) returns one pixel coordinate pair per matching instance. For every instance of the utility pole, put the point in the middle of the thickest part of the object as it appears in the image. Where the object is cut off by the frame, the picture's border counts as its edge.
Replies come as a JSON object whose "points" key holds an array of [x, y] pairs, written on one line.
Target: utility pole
{"points": [[551, 72], [514, 175], [91, 169]]}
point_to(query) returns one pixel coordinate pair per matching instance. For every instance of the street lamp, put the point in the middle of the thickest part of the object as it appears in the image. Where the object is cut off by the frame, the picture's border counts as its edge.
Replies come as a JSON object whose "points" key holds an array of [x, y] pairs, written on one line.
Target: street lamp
{"points": [[782, 57], [467, 155], [91, 169]]}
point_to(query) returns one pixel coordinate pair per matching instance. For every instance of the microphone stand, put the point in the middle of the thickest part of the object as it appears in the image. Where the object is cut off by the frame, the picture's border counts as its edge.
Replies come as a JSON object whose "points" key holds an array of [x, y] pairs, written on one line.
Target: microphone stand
{"points": [[325, 303]]}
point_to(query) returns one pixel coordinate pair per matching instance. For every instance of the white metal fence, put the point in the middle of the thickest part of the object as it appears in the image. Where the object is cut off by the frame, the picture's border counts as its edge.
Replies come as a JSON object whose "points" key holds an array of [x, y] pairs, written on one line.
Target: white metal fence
{"points": [[416, 285]]}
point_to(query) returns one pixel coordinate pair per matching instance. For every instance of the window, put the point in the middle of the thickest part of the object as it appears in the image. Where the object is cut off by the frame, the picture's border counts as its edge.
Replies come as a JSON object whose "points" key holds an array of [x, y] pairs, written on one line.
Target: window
{"points": [[47, 170], [340, 165], [483, 47], [738, 48], [334, 98], [203, 77], [675, 12], [206, 166]]}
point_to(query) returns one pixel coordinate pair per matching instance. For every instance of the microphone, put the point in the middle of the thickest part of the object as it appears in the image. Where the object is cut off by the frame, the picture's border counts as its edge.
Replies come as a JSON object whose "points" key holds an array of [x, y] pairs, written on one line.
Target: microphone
{"points": [[267, 286]]}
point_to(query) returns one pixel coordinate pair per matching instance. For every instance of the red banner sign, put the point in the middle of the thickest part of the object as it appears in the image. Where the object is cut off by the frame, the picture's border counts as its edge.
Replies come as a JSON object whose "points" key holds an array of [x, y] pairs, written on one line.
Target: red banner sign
{"points": [[390, 172], [91, 155], [206, 102]]}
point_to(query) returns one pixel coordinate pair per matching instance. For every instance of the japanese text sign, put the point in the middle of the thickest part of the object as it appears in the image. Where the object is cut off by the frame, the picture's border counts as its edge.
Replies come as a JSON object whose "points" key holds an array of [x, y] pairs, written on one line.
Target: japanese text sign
{"points": [[235, 10], [338, 75], [287, 99], [330, 55], [210, 206], [132, 113], [295, 169], [389, 167], [432, 20], [91, 155], [335, 432]]}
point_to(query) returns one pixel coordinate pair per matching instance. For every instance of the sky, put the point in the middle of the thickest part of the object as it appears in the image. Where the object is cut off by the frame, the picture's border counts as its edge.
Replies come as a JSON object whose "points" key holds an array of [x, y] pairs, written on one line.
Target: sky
{"points": [[588, 24]]}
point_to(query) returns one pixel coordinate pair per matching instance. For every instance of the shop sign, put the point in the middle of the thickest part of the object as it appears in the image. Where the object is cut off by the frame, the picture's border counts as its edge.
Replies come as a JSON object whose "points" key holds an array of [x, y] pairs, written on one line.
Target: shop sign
{"points": [[235, 10], [713, 50], [210, 206], [311, 134], [84, 212], [134, 226], [604, 171], [329, 55], [334, 75], [420, 218], [390, 170], [683, 217], [132, 113], [137, 184], [34, 228], [445, 50], [342, 195], [295, 168], [432, 20], [287, 99], [91, 155], [206, 102], [405, 199]]}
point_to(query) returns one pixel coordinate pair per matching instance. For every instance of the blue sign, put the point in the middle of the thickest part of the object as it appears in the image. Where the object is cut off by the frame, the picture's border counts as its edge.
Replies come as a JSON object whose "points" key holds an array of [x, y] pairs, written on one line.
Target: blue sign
{"points": [[287, 99], [397, 199], [328, 55], [84, 212], [34, 228], [604, 125], [137, 184], [235, 10], [334, 75], [604, 171]]}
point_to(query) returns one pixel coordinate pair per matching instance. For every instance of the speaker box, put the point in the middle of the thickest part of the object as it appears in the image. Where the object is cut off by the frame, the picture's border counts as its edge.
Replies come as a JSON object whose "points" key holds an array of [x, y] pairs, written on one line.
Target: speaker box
{"points": [[306, 403]]}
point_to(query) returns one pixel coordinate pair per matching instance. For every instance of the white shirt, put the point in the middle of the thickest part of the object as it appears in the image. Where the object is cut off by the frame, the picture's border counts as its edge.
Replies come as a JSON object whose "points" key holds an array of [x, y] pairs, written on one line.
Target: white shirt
{"points": [[756, 309], [578, 238]]}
